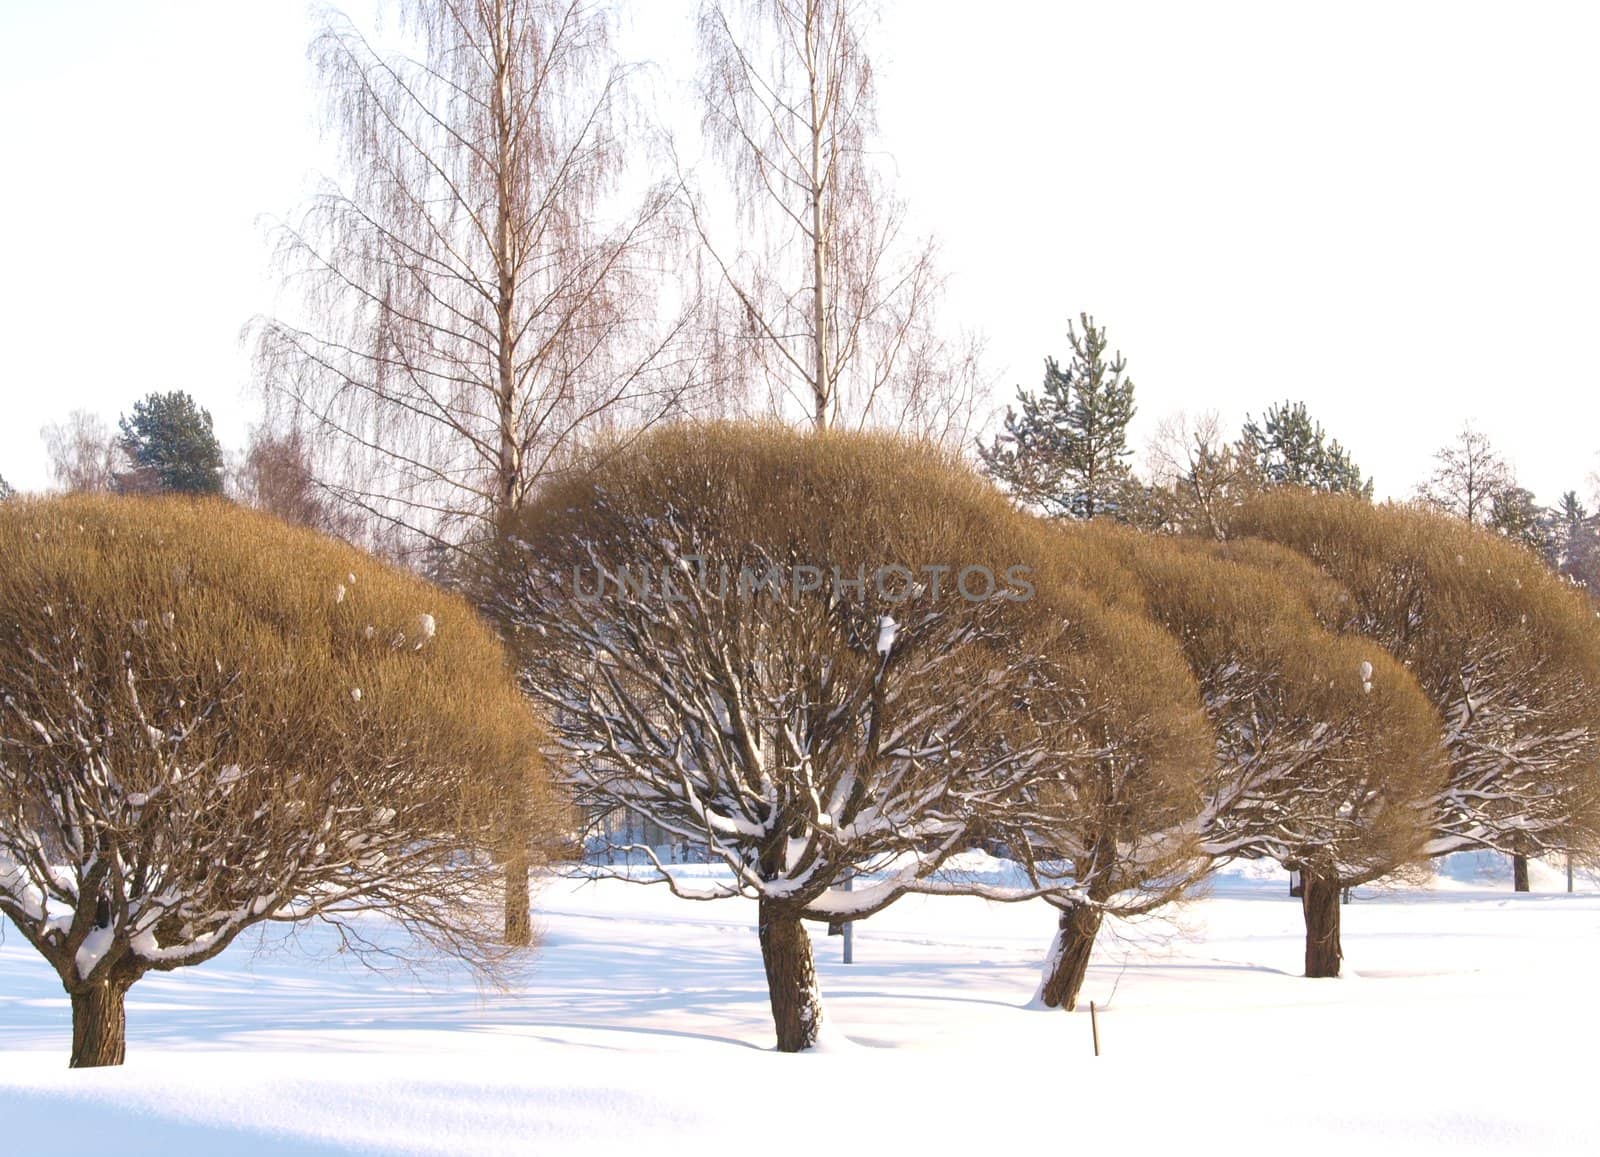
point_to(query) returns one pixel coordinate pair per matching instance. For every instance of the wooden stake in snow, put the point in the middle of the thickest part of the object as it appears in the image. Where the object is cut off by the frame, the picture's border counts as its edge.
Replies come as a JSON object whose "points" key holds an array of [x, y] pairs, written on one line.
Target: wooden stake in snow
{"points": [[1094, 1027]]}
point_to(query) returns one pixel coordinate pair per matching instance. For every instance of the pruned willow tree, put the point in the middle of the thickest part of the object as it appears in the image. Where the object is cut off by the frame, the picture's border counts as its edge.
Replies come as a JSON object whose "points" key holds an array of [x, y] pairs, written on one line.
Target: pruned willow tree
{"points": [[1317, 753], [828, 304], [210, 720], [805, 653], [488, 288], [1115, 808], [1327, 748], [1508, 653]]}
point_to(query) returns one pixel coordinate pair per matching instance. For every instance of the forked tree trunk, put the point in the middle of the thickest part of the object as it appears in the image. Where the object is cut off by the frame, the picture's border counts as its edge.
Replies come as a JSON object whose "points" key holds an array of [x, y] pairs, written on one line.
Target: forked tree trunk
{"points": [[1519, 873], [99, 1026], [1068, 962], [1320, 903], [519, 912], [791, 978]]}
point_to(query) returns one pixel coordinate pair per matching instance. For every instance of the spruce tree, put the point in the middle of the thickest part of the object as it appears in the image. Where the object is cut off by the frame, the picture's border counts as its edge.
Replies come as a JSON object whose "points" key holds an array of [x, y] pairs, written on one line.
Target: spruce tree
{"points": [[1290, 448], [170, 443], [1573, 548], [1067, 449], [1515, 514]]}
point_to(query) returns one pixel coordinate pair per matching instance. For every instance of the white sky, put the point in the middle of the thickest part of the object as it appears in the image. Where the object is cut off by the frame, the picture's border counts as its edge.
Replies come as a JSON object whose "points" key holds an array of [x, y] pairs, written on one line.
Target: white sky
{"points": [[1389, 210]]}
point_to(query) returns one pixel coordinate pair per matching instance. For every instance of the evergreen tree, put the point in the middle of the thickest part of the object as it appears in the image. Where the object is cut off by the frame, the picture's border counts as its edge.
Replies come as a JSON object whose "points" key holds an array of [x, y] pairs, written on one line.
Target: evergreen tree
{"points": [[1573, 547], [1514, 513], [1067, 450], [171, 446], [5, 489], [1290, 448]]}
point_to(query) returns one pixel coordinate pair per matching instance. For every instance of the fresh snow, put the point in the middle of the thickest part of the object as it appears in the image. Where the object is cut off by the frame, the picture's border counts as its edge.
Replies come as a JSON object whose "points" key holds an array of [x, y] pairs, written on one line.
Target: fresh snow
{"points": [[641, 1025], [92, 951], [887, 630]]}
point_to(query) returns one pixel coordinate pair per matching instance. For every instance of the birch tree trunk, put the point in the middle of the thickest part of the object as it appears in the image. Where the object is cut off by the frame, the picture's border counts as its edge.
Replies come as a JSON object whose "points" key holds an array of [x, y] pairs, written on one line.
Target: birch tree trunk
{"points": [[822, 394], [830, 302]]}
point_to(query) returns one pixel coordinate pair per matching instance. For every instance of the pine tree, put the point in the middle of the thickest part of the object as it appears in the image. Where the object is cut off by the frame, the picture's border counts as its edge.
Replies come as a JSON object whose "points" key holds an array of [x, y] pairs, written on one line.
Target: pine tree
{"points": [[1290, 448], [5, 489], [1067, 450], [170, 443]]}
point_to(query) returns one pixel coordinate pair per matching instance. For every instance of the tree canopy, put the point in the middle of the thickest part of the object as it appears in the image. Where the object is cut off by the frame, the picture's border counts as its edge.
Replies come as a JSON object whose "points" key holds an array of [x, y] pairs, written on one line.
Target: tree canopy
{"points": [[212, 719], [1066, 450], [1288, 447], [1508, 653], [1325, 747], [807, 654], [171, 447]]}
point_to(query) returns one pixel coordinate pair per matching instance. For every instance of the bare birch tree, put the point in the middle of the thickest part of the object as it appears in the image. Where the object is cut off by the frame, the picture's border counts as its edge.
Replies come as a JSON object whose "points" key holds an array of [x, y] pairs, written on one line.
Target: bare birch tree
{"points": [[831, 305], [486, 289], [1192, 460], [1468, 475], [85, 456]]}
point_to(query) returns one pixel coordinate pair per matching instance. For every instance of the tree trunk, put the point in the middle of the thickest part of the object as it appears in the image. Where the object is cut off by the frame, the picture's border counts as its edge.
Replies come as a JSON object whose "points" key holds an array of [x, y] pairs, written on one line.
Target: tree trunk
{"points": [[99, 1026], [1068, 962], [822, 386], [1519, 873], [519, 912], [1320, 904], [791, 978]]}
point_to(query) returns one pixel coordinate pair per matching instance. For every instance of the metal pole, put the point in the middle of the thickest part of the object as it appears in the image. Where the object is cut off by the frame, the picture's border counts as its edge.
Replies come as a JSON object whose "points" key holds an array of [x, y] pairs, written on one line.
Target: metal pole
{"points": [[849, 926]]}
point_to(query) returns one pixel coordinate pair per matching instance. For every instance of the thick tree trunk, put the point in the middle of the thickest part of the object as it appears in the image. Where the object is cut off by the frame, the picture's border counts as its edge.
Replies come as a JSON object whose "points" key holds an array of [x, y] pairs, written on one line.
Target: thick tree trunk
{"points": [[519, 912], [99, 1026], [1519, 873], [1320, 903], [1068, 962], [791, 978]]}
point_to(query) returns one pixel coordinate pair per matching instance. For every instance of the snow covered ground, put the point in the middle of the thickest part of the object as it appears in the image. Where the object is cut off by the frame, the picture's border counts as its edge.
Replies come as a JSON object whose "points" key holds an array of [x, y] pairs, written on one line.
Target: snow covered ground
{"points": [[1465, 1024]]}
